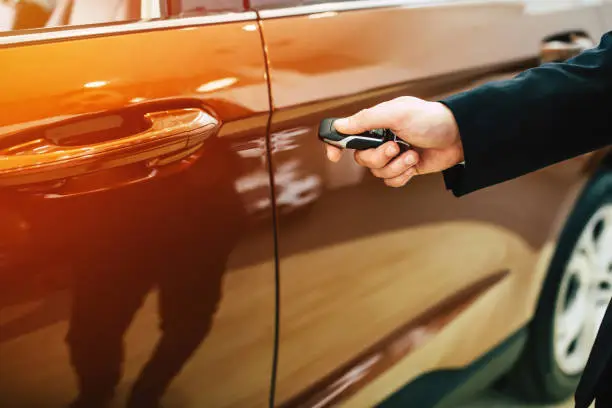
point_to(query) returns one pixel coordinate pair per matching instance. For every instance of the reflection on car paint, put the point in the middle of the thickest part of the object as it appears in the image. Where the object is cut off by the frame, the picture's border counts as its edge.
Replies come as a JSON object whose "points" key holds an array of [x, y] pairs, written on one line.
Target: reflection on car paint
{"points": [[152, 280]]}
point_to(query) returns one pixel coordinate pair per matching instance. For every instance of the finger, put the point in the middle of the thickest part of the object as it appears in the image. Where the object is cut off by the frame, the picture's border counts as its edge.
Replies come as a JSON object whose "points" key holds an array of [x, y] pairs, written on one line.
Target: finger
{"points": [[401, 180], [379, 157], [333, 153], [398, 166], [379, 116]]}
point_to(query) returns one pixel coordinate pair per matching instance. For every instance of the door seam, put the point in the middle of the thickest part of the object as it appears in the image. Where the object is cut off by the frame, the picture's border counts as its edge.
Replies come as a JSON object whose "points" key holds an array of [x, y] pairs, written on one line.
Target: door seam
{"points": [[270, 169]]}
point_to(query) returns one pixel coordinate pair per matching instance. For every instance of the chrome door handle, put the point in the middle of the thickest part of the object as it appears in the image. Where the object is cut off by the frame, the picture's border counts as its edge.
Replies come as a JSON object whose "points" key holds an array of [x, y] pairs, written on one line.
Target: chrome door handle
{"points": [[41, 160]]}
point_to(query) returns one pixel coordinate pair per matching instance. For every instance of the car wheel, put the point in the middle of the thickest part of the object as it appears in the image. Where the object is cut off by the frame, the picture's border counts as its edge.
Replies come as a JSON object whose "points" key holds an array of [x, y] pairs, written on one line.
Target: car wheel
{"points": [[572, 303]]}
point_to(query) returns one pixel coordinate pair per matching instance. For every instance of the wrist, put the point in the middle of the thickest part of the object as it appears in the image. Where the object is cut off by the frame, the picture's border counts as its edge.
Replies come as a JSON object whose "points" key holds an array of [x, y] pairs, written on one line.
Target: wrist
{"points": [[451, 132], [459, 148]]}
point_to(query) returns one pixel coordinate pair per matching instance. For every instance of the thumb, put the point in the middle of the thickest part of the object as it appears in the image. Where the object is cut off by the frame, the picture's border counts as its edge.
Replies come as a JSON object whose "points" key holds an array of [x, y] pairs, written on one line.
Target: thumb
{"points": [[350, 125], [379, 116]]}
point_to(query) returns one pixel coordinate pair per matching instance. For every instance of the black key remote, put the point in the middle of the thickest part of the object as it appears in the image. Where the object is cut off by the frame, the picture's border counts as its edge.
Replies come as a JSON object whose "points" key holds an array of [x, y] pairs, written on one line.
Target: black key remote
{"points": [[366, 140]]}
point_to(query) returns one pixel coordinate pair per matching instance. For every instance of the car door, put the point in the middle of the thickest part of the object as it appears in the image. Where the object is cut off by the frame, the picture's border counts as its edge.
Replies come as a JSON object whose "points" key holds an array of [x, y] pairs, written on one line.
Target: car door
{"points": [[136, 236], [380, 286]]}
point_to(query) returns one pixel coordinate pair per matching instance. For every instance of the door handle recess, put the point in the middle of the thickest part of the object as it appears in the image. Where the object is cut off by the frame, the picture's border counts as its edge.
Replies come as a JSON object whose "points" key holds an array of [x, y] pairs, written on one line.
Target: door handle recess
{"points": [[41, 160]]}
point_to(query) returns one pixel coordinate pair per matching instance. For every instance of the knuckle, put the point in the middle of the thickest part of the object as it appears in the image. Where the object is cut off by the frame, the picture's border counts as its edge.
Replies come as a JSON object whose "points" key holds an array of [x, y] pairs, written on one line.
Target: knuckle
{"points": [[401, 99], [365, 159], [374, 159], [405, 99], [399, 166], [401, 180], [389, 172], [394, 182], [359, 116]]}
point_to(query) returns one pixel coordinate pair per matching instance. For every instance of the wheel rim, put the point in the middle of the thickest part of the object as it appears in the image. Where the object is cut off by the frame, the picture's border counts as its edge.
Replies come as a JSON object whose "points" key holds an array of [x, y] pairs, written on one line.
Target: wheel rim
{"points": [[584, 293]]}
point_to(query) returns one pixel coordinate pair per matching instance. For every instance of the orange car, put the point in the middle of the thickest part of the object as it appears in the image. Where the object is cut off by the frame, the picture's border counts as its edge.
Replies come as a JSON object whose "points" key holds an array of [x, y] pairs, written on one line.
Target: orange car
{"points": [[171, 232]]}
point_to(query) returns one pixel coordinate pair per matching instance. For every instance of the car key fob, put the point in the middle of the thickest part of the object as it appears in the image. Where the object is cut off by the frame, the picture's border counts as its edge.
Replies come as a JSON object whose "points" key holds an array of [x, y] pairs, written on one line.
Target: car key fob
{"points": [[362, 141]]}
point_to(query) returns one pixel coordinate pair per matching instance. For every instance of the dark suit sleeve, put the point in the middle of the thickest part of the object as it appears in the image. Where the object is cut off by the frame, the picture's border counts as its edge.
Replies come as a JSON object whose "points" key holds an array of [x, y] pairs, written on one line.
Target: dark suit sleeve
{"points": [[542, 116]]}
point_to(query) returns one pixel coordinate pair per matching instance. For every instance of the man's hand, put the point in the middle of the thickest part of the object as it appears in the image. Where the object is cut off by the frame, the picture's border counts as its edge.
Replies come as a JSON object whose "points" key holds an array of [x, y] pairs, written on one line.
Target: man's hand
{"points": [[429, 127]]}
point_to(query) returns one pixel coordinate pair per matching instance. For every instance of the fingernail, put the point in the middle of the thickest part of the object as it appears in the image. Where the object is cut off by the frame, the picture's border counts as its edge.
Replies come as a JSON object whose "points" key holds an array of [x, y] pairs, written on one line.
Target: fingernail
{"points": [[342, 122], [391, 150], [409, 160]]}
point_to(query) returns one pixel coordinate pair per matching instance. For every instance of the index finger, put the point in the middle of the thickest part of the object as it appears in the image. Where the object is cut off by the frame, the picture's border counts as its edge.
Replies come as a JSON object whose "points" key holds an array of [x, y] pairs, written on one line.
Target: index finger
{"points": [[333, 153]]}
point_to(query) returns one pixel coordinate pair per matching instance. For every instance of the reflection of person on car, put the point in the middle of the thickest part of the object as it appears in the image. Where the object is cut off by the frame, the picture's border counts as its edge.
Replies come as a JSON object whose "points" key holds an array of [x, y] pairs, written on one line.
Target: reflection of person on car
{"points": [[177, 235]]}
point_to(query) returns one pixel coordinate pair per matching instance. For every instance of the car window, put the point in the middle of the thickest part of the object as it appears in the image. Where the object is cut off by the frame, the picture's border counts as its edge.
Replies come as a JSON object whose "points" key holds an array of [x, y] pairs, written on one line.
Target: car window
{"points": [[183, 8], [266, 4], [30, 14]]}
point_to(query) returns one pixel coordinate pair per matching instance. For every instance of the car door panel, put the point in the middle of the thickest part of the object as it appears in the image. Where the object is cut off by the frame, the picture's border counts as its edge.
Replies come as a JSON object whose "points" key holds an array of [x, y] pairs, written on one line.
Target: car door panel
{"points": [[161, 256], [376, 284]]}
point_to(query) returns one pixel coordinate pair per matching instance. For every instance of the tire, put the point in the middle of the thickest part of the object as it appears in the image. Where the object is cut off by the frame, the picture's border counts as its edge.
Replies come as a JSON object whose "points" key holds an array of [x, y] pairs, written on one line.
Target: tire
{"points": [[572, 301]]}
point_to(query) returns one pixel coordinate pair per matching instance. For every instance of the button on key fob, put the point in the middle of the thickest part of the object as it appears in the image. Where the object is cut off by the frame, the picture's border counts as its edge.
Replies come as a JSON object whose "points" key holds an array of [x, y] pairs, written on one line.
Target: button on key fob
{"points": [[362, 141]]}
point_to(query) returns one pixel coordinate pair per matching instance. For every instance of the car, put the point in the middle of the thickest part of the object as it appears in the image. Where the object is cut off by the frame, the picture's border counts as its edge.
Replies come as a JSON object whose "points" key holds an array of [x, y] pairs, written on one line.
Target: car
{"points": [[172, 233]]}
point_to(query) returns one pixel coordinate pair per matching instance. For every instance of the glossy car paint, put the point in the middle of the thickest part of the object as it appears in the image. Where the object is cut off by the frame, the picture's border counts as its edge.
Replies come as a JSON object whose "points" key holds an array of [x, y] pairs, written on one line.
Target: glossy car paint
{"points": [[169, 252], [379, 285]]}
